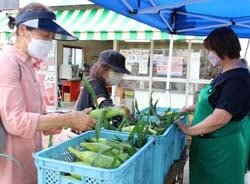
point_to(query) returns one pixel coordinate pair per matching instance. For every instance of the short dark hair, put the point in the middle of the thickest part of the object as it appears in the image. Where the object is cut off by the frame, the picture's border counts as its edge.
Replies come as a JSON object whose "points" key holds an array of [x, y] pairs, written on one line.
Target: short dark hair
{"points": [[224, 42]]}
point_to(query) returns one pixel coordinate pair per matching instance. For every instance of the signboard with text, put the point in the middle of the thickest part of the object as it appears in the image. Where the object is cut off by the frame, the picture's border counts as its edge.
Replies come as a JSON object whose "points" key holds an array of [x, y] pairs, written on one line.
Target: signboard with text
{"points": [[162, 65], [47, 76], [138, 57]]}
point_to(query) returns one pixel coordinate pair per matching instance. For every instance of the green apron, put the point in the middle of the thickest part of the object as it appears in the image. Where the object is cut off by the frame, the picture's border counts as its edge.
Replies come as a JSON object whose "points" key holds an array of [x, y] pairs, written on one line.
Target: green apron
{"points": [[246, 136], [218, 157]]}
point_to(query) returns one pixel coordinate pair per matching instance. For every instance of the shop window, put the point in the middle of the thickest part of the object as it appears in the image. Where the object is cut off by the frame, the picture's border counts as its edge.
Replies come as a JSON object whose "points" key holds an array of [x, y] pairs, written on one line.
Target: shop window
{"points": [[72, 56], [178, 87], [135, 84], [159, 85]]}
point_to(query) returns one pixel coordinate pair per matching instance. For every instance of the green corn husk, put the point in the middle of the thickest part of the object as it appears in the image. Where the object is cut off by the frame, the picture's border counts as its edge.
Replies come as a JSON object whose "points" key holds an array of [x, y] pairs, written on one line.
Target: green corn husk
{"points": [[104, 149], [124, 146], [136, 107], [95, 146], [110, 112], [50, 141], [113, 112], [95, 159], [128, 128], [91, 91], [99, 125]]}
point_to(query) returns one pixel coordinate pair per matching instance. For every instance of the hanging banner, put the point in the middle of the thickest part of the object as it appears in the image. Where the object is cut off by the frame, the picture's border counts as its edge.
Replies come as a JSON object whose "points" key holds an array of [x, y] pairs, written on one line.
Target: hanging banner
{"points": [[161, 64]]}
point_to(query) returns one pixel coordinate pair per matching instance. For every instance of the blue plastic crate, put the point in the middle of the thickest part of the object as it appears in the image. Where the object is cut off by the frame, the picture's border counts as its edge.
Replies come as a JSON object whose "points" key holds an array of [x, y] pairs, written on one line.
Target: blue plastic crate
{"points": [[167, 148], [53, 162]]}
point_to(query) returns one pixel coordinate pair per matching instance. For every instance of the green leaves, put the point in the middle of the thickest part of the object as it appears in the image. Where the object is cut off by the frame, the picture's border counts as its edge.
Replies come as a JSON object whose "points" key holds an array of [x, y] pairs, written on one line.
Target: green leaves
{"points": [[141, 130], [99, 124], [91, 91]]}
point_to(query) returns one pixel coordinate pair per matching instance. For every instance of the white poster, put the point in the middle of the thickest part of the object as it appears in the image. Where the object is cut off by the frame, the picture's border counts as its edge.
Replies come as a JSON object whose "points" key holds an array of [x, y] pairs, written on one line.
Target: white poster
{"points": [[125, 53], [136, 57], [143, 56], [195, 65], [133, 56], [162, 65], [143, 67]]}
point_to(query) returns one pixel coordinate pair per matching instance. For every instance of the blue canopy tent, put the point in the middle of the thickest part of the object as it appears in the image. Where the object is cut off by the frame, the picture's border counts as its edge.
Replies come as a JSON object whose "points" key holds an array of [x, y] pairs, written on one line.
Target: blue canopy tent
{"points": [[185, 17]]}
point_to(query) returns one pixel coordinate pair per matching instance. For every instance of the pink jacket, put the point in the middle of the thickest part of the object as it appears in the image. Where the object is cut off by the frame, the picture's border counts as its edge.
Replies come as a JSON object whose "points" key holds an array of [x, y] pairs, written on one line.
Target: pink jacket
{"points": [[21, 104]]}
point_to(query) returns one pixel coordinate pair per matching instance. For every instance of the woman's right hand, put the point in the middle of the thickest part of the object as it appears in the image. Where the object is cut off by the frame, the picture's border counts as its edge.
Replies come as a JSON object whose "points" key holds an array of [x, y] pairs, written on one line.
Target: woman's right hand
{"points": [[81, 121], [188, 108]]}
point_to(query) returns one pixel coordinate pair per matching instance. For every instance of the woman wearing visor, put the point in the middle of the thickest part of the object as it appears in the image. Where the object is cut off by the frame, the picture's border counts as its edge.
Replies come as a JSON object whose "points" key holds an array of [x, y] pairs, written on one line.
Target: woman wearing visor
{"points": [[21, 103]]}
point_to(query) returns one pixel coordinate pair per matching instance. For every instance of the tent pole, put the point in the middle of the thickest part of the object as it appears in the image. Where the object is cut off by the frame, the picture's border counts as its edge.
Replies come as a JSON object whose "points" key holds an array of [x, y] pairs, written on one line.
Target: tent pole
{"points": [[245, 55], [114, 87], [115, 45], [56, 91], [170, 55], [188, 71], [162, 16], [125, 3], [151, 70]]}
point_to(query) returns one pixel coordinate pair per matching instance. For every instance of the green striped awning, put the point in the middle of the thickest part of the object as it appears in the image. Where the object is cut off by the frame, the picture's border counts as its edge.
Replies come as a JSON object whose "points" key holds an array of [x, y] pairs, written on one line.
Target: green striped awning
{"points": [[101, 24]]}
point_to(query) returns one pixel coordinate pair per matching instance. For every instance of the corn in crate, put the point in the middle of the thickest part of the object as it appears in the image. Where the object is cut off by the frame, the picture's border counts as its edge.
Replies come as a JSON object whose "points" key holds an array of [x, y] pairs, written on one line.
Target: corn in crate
{"points": [[169, 141], [76, 162]]}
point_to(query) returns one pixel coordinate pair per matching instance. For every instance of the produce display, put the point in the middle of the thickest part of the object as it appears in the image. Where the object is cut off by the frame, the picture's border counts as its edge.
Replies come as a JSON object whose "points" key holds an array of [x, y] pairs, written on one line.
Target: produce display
{"points": [[105, 153], [110, 154], [157, 123], [120, 119]]}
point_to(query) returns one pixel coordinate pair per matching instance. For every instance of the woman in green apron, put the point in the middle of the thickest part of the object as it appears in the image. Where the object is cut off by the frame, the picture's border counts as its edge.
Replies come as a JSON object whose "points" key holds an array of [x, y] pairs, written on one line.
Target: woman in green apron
{"points": [[219, 149]]}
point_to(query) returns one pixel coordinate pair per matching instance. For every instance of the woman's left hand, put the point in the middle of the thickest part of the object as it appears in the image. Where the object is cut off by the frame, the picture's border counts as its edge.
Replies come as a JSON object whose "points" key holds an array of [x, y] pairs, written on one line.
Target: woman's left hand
{"points": [[184, 128]]}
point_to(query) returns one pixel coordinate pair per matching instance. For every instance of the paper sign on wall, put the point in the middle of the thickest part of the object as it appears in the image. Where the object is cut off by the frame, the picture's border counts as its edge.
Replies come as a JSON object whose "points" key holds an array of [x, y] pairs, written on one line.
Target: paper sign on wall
{"points": [[162, 65], [195, 65]]}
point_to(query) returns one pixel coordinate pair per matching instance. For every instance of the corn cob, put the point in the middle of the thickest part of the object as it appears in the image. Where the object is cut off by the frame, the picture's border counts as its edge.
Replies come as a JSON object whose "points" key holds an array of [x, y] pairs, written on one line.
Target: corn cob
{"points": [[123, 146], [104, 149], [110, 112], [95, 159], [95, 146], [128, 128]]}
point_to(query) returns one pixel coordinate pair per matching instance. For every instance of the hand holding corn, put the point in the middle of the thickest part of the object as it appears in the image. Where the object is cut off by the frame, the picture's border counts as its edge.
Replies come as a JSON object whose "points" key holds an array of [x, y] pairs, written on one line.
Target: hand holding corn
{"points": [[81, 121]]}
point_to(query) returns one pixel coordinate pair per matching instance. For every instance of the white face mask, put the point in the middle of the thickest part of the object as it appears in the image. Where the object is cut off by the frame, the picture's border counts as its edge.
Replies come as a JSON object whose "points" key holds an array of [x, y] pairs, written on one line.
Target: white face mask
{"points": [[39, 49], [213, 59], [114, 78]]}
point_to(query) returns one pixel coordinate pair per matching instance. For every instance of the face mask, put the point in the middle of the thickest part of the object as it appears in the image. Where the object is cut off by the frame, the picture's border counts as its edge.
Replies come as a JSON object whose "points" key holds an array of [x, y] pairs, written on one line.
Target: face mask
{"points": [[213, 59], [39, 49], [114, 78]]}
